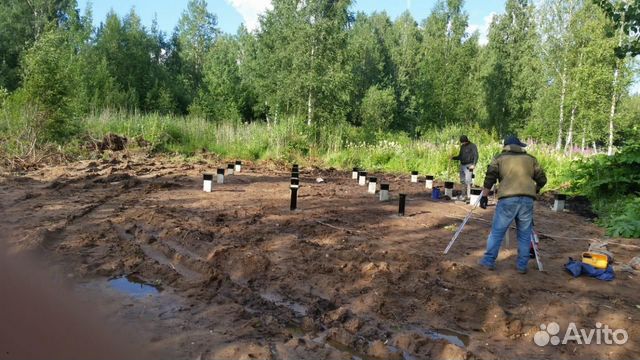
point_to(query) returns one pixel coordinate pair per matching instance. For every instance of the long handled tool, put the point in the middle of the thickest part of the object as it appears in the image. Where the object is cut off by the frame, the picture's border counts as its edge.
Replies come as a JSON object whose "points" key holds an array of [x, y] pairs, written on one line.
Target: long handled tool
{"points": [[464, 222], [534, 243]]}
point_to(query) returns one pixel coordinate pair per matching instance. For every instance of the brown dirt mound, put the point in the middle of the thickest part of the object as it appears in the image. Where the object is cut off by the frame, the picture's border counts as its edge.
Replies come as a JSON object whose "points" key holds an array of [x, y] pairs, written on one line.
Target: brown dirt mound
{"points": [[112, 142]]}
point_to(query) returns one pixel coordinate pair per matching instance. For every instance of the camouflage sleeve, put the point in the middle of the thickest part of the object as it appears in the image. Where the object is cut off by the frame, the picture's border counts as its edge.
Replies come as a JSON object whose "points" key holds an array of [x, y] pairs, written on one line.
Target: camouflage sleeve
{"points": [[493, 174], [539, 176]]}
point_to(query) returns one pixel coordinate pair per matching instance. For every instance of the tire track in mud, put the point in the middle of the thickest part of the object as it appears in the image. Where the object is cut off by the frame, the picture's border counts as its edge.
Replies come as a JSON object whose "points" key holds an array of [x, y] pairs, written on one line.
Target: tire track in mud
{"points": [[54, 236]]}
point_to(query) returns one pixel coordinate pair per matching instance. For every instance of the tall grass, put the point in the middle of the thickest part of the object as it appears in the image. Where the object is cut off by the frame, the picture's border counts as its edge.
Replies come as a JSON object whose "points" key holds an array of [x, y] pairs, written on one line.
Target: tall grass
{"points": [[290, 139], [340, 146]]}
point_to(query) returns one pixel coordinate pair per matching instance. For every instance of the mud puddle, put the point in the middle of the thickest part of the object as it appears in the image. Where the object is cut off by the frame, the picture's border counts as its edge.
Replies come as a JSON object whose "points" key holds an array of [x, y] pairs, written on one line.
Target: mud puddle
{"points": [[134, 286], [279, 300], [452, 337]]}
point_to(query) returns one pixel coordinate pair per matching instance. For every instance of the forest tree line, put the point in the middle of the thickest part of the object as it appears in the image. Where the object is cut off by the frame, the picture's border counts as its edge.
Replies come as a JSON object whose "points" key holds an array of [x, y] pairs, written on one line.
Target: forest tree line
{"points": [[559, 71]]}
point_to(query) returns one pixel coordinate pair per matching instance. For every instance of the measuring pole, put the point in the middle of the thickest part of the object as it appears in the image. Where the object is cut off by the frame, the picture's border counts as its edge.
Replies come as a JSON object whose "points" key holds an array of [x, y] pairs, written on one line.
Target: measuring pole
{"points": [[534, 244], [464, 222]]}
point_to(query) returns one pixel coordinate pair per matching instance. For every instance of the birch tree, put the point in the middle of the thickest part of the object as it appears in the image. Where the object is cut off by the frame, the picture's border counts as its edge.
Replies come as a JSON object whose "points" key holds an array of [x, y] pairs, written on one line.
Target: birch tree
{"points": [[556, 18], [625, 23]]}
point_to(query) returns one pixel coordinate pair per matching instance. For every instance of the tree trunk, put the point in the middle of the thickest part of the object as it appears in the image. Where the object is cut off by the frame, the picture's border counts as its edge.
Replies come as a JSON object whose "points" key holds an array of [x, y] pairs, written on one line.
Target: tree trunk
{"points": [[584, 136], [614, 96], [563, 94], [569, 143], [310, 97], [309, 109], [614, 101]]}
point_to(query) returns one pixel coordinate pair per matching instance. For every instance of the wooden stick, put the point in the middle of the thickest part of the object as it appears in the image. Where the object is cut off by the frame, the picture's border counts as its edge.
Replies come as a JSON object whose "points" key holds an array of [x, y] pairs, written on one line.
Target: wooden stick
{"points": [[335, 227]]}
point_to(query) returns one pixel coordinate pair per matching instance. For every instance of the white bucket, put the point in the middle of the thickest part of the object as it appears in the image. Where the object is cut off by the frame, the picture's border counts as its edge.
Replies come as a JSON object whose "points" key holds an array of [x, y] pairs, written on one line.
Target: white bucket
{"points": [[362, 179], [474, 198], [373, 182], [220, 176], [428, 184], [448, 189], [558, 203], [384, 192], [207, 183]]}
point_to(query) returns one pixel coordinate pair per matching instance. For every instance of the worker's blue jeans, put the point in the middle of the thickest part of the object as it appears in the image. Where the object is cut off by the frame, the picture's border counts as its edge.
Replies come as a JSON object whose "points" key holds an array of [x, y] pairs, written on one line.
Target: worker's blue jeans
{"points": [[520, 209]]}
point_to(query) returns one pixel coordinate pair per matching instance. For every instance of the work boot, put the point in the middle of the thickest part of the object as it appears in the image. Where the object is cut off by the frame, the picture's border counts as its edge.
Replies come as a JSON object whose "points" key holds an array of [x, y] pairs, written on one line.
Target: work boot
{"points": [[522, 271], [487, 266]]}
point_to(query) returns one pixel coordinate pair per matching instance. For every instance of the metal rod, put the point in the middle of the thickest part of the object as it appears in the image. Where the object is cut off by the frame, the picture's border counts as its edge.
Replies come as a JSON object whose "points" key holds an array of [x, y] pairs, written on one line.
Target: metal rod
{"points": [[294, 197], [464, 222], [403, 198], [534, 244]]}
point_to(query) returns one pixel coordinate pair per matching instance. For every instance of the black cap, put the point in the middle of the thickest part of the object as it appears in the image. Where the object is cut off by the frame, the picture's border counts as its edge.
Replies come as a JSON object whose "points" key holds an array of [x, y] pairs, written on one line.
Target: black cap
{"points": [[384, 187], [238, 162], [207, 177], [373, 179], [513, 140], [230, 166], [464, 139], [220, 171]]}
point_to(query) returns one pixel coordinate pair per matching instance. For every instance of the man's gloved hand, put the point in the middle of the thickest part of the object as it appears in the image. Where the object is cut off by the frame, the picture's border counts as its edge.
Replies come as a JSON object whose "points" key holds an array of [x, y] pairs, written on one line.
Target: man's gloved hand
{"points": [[471, 167], [484, 201]]}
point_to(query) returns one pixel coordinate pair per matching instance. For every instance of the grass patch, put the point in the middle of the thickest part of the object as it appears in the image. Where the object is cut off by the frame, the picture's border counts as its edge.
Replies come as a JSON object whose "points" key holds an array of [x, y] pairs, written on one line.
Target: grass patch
{"points": [[339, 146]]}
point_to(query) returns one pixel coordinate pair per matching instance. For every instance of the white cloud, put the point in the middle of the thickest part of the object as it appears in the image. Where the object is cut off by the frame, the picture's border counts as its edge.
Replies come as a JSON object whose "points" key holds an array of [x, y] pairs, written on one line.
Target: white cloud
{"points": [[482, 29], [250, 9]]}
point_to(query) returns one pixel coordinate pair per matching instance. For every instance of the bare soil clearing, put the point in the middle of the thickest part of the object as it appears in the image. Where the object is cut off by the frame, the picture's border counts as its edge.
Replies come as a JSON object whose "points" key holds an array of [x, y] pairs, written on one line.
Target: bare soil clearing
{"points": [[235, 274]]}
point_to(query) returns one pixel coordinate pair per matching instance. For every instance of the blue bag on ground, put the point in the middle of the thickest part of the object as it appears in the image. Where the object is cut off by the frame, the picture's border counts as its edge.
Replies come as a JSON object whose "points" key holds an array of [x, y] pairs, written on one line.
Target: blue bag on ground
{"points": [[577, 268]]}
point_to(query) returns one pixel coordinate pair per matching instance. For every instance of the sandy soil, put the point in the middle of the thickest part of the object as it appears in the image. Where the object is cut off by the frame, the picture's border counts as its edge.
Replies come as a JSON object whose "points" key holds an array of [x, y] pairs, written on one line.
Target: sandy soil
{"points": [[240, 276]]}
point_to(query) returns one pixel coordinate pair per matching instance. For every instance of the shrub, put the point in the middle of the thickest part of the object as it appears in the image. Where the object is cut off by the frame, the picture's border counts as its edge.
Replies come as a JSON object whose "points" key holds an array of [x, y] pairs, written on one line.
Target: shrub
{"points": [[377, 109], [613, 185]]}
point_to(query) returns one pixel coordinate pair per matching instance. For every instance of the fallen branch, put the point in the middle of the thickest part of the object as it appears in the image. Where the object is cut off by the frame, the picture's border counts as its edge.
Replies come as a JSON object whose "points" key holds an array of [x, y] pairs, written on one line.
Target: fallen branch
{"points": [[336, 227]]}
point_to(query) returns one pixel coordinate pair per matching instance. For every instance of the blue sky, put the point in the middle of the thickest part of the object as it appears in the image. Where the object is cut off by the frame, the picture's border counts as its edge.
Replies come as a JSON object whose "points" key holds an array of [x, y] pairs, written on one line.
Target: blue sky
{"points": [[231, 13]]}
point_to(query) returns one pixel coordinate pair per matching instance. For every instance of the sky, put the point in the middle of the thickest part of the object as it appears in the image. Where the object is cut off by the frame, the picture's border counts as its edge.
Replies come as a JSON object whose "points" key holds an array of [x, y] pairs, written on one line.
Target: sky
{"points": [[232, 13]]}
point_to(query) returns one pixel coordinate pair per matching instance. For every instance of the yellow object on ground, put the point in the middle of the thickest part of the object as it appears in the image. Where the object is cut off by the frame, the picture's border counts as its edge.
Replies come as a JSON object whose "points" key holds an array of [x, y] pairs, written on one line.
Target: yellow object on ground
{"points": [[599, 261]]}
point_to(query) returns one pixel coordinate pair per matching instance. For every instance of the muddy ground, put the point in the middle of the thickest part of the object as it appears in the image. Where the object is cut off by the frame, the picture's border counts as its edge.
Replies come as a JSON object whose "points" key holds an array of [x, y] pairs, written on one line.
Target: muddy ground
{"points": [[233, 274]]}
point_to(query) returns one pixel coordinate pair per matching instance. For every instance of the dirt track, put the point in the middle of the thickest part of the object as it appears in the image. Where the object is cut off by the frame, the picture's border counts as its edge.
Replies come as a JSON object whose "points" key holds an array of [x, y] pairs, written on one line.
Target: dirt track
{"points": [[243, 277]]}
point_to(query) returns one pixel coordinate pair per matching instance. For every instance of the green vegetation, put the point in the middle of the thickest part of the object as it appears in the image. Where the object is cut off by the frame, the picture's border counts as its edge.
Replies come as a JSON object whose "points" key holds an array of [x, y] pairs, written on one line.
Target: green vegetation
{"points": [[316, 82], [292, 140], [613, 185]]}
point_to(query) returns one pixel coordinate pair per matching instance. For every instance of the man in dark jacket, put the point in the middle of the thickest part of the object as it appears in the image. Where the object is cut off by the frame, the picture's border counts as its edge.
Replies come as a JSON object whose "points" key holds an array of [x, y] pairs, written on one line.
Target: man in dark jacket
{"points": [[521, 178], [468, 158]]}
